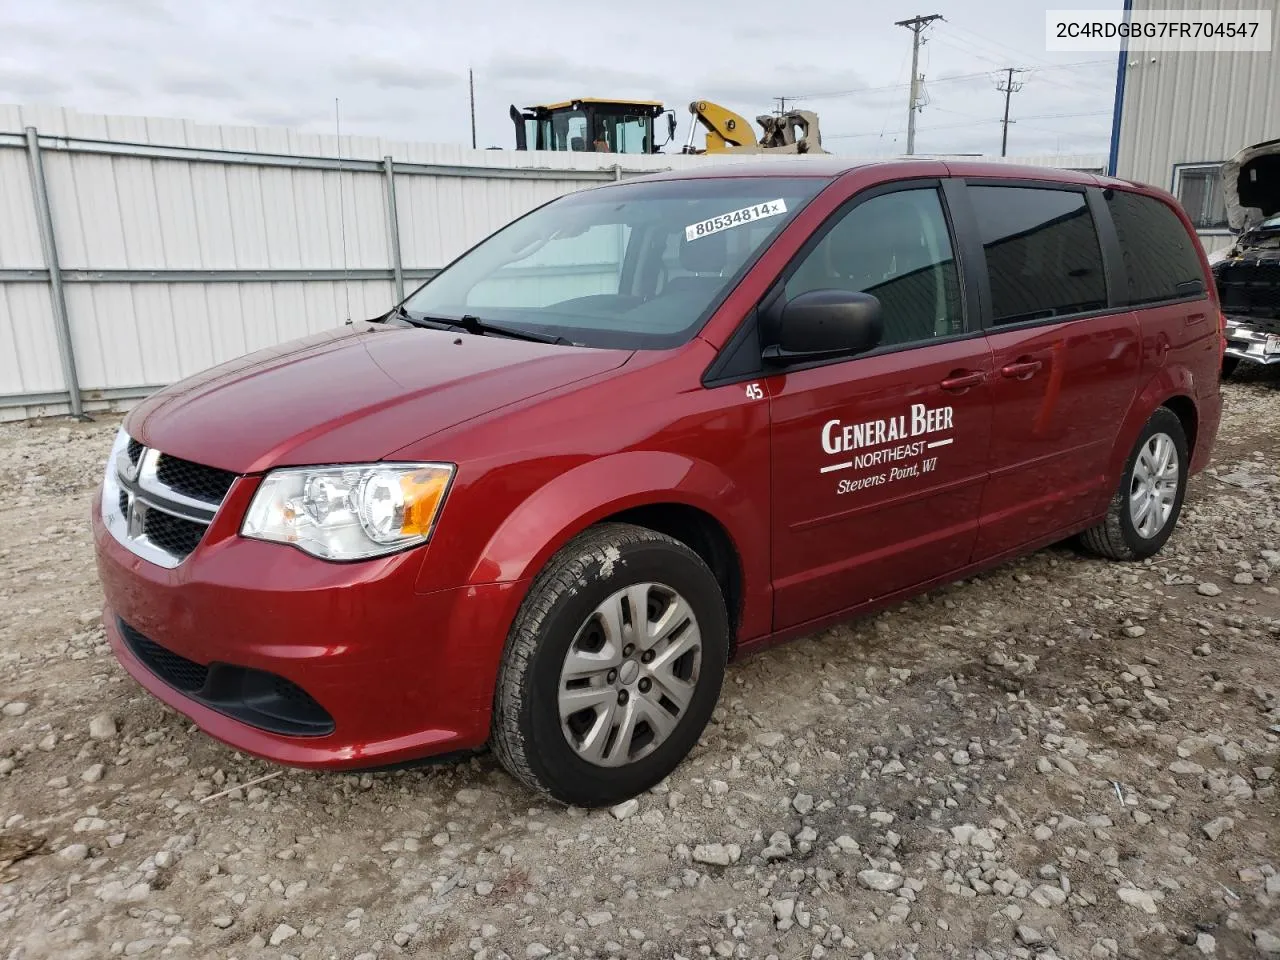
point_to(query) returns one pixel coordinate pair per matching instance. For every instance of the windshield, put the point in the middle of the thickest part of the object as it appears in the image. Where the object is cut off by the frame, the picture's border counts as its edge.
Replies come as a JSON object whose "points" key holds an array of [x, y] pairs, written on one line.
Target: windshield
{"points": [[635, 266]]}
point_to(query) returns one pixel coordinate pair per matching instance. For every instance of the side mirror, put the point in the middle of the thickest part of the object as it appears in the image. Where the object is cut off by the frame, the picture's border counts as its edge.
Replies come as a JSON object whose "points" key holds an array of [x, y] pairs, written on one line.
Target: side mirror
{"points": [[826, 323]]}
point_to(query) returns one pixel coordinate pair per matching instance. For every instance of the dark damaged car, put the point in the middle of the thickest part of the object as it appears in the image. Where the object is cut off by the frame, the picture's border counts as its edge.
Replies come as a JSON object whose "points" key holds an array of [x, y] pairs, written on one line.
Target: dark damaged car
{"points": [[1248, 276]]}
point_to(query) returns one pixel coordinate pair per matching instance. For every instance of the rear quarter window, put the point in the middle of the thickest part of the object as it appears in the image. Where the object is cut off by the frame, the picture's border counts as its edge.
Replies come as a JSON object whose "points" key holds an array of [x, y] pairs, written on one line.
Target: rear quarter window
{"points": [[1159, 255], [1042, 252]]}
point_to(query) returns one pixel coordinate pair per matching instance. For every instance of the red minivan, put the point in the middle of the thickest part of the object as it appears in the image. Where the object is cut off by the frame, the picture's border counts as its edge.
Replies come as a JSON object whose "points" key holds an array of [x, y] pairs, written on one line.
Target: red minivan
{"points": [[644, 429]]}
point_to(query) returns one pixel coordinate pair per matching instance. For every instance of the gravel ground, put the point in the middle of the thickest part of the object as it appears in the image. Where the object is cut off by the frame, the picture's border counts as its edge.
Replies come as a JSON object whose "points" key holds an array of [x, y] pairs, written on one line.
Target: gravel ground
{"points": [[1062, 758]]}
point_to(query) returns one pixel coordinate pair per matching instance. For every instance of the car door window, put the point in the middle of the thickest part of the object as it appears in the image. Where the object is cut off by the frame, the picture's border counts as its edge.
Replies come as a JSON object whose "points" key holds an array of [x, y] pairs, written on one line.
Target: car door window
{"points": [[897, 248], [1043, 257], [1159, 258]]}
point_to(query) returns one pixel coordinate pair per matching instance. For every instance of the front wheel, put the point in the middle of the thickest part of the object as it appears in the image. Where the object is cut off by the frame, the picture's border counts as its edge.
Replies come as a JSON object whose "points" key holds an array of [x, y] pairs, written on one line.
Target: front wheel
{"points": [[1145, 508], [612, 668]]}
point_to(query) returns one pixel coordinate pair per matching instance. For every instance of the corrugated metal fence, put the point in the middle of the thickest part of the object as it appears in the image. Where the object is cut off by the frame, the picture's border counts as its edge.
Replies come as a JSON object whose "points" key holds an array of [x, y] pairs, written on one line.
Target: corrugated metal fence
{"points": [[137, 251]]}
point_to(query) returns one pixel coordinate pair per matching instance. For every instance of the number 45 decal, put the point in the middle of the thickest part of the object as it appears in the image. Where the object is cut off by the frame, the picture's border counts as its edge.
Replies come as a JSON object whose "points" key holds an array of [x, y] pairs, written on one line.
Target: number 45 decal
{"points": [[755, 391]]}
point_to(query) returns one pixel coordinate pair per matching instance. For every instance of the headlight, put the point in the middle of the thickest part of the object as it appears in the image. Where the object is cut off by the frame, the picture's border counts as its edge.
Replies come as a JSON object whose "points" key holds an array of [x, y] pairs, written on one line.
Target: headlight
{"points": [[350, 512]]}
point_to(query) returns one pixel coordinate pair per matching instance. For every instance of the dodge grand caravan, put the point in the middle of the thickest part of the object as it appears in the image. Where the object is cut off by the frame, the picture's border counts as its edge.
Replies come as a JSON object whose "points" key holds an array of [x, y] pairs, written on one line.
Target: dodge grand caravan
{"points": [[640, 431]]}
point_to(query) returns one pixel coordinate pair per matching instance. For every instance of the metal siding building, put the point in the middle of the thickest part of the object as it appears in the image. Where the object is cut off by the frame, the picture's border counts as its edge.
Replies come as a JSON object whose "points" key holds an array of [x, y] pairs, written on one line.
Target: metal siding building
{"points": [[180, 245], [1183, 114]]}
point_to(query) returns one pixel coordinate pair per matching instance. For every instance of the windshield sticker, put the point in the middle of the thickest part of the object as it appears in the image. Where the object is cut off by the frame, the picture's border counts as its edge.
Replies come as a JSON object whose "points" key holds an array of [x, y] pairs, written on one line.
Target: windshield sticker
{"points": [[736, 218]]}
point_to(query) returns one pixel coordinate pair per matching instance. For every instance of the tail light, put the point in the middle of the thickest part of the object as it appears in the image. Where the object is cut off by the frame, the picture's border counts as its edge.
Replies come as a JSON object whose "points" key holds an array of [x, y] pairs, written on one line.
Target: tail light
{"points": [[1222, 332]]}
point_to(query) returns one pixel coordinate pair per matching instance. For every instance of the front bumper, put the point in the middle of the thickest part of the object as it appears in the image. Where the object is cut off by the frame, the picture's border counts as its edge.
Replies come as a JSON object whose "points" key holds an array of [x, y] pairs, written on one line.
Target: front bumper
{"points": [[1249, 341], [390, 675]]}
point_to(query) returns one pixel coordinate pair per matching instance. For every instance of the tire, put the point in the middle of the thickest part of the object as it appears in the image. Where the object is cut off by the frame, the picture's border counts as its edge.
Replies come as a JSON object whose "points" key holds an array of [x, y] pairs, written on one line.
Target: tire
{"points": [[572, 629], [1129, 532], [1229, 365]]}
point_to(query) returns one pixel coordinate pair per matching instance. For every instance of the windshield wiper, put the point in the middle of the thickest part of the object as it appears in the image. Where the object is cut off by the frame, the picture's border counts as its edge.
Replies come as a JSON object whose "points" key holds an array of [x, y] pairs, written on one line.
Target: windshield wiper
{"points": [[473, 324]]}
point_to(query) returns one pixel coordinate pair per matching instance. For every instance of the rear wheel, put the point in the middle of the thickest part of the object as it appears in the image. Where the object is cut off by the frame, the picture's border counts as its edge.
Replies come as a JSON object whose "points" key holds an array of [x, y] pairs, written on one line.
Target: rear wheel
{"points": [[1229, 364], [612, 668], [1145, 508]]}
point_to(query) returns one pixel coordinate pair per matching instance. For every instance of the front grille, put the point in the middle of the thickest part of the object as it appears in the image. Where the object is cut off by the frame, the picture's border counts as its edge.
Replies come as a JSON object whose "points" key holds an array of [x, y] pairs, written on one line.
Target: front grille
{"points": [[177, 671], [166, 503], [193, 479], [264, 700], [174, 535]]}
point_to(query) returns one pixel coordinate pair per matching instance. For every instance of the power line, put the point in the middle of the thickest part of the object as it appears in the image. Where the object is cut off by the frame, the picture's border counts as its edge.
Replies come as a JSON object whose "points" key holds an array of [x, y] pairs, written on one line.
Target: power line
{"points": [[953, 78]]}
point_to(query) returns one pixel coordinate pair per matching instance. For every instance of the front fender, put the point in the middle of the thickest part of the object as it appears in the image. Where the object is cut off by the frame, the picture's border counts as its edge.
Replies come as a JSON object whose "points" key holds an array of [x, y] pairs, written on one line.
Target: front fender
{"points": [[588, 493]]}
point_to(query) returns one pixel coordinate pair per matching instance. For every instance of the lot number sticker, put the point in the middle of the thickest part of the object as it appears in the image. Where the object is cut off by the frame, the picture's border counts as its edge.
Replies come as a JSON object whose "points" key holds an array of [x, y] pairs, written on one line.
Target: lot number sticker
{"points": [[736, 218]]}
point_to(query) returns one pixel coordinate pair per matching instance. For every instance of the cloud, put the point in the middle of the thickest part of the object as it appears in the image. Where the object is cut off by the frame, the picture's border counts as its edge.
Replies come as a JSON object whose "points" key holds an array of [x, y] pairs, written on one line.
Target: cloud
{"points": [[208, 87], [387, 74], [17, 84]]}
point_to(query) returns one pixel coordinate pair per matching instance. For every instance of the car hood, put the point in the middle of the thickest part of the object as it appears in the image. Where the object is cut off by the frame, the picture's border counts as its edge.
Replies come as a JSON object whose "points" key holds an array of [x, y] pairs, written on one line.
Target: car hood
{"points": [[1251, 185], [352, 394]]}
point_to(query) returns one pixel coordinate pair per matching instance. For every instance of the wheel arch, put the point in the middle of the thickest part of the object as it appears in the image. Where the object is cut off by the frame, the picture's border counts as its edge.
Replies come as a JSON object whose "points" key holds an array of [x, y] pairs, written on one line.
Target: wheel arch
{"points": [[1170, 387], [688, 499]]}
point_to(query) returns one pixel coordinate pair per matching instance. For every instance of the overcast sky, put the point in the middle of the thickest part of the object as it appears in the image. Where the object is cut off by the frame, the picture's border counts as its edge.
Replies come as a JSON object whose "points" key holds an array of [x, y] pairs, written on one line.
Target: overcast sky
{"points": [[400, 67]]}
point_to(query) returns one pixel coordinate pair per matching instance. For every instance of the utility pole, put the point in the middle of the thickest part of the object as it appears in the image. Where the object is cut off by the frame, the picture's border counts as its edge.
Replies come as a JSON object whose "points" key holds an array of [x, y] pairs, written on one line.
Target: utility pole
{"points": [[471, 82], [1009, 88], [782, 105], [916, 25]]}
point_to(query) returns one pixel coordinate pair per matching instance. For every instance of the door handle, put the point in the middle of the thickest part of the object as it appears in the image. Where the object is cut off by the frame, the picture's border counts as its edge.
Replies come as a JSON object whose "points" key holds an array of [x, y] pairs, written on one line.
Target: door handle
{"points": [[963, 380], [1196, 318], [1021, 369]]}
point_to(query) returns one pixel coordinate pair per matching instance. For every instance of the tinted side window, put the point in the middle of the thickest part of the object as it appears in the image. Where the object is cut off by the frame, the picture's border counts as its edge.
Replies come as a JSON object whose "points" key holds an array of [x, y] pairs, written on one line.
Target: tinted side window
{"points": [[1043, 256], [1158, 253], [896, 248]]}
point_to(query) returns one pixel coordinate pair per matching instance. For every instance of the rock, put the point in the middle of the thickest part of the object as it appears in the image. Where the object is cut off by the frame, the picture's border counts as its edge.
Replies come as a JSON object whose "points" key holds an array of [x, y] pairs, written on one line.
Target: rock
{"points": [[1217, 827], [625, 809], [1043, 833], [598, 917], [879, 880], [1243, 578], [779, 846], [802, 803], [1206, 944], [1272, 886], [221, 922], [1268, 943], [1208, 589], [136, 948], [483, 888], [15, 709], [1048, 895], [1142, 899], [74, 851], [1029, 936], [102, 727], [1135, 631], [960, 758], [1186, 767], [784, 913], [281, 933], [717, 854], [1264, 773], [847, 843], [93, 773], [535, 950]]}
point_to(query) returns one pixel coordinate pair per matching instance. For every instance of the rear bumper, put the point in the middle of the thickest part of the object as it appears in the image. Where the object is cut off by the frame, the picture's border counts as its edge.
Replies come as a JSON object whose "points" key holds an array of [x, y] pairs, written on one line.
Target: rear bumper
{"points": [[391, 675]]}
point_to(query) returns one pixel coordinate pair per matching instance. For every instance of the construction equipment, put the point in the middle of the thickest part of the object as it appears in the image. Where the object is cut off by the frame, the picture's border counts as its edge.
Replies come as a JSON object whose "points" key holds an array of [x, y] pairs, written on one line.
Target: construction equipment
{"points": [[795, 131], [592, 124]]}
